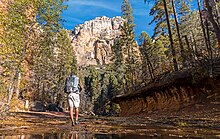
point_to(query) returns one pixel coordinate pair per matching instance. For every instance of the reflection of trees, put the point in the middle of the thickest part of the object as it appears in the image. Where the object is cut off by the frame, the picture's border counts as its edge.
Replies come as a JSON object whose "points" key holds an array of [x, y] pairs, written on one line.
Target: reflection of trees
{"points": [[67, 134]]}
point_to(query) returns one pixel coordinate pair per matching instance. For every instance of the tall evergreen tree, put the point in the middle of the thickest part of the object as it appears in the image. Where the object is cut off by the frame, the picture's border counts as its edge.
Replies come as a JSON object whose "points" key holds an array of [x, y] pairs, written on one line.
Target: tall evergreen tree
{"points": [[203, 27], [145, 49], [178, 31], [125, 50], [161, 14], [53, 45], [127, 12], [153, 57]]}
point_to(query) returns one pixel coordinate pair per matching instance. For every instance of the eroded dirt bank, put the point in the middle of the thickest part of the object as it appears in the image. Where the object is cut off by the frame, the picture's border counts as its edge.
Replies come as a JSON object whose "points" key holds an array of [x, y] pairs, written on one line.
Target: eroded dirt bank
{"points": [[200, 120], [173, 92]]}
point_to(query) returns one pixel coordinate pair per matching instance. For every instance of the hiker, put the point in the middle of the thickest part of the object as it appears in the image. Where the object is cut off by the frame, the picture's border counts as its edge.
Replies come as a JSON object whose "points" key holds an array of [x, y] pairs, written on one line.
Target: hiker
{"points": [[72, 87]]}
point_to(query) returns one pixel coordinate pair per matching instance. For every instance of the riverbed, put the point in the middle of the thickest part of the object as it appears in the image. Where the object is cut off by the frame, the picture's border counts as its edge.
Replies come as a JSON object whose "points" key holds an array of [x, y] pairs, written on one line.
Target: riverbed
{"points": [[199, 121]]}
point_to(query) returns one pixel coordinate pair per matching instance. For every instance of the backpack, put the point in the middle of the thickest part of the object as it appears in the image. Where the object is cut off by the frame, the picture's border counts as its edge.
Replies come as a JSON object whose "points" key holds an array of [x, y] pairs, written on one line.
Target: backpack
{"points": [[71, 84]]}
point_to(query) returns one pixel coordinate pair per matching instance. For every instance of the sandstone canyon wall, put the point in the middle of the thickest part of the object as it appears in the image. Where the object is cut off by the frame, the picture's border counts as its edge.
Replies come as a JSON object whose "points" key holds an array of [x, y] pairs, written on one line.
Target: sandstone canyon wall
{"points": [[92, 40]]}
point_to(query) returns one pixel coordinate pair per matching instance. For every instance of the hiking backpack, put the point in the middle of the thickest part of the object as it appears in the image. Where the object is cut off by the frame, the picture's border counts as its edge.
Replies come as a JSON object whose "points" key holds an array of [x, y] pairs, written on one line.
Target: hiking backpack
{"points": [[71, 84]]}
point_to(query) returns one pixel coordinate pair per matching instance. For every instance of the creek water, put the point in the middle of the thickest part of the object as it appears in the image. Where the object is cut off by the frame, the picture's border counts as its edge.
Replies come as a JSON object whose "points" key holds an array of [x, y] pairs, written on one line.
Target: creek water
{"points": [[83, 135], [87, 134]]}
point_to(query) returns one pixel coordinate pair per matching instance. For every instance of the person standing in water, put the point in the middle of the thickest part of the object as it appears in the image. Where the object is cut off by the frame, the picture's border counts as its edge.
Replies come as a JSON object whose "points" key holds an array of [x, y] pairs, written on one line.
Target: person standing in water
{"points": [[72, 87]]}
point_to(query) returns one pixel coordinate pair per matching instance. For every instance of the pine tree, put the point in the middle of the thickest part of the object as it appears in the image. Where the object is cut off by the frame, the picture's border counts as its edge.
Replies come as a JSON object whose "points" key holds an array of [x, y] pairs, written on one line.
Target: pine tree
{"points": [[127, 12], [65, 62], [130, 54], [178, 32], [53, 44], [123, 50], [161, 14], [129, 48], [145, 49], [95, 85], [118, 65], [153, 57]]}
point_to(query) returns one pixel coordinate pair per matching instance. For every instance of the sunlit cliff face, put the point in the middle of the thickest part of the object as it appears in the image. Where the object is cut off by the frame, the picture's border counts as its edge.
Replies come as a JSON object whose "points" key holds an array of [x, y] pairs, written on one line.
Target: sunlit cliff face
{"points": [[92, 40]]}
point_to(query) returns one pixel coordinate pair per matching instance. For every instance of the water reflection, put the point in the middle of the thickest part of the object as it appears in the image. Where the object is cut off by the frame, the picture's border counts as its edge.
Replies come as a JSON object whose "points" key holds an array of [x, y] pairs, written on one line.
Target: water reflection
{"points": [[75, 133], [82, 135], [78, 132]]}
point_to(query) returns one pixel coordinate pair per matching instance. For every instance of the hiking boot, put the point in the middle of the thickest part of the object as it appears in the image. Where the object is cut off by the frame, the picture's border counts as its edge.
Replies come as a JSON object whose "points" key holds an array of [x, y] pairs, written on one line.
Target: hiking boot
{"points": [[77, 122], [73, 123]]}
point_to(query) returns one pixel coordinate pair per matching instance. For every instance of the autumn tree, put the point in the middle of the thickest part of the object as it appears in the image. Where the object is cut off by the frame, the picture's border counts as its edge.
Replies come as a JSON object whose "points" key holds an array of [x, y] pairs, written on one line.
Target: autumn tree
{"points": [[30, 31], [18, 24]]}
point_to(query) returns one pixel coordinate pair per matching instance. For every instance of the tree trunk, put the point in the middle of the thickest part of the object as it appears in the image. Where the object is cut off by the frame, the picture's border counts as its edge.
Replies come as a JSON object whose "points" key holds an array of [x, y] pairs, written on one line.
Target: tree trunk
{"points": [[217, 8], [195, 45], [10, 90], [211, 19], [170, 37], [210, 48], [207, 32], [18, 84], [192, 48], [17, 71], [203, 28], [150, 68], [178, 32], [188, 46]]}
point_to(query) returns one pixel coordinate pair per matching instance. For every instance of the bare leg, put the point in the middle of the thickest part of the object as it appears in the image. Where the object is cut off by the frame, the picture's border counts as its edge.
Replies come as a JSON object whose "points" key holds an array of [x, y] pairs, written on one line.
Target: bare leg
{"points": [[77, 113], [71, 114]]}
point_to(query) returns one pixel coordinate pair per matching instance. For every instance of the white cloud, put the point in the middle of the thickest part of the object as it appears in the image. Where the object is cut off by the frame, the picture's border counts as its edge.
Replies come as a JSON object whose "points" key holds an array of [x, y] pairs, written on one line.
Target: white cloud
{"points": [[109, 6]]}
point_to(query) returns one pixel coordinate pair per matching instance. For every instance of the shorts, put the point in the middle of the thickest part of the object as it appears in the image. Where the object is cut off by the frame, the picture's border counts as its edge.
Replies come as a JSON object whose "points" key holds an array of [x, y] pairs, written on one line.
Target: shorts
{"points": [[73, 100]]}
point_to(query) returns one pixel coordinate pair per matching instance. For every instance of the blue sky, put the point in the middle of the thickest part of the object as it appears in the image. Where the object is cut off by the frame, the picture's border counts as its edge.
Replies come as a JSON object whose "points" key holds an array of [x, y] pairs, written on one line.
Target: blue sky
{"points": [[80, 11]]}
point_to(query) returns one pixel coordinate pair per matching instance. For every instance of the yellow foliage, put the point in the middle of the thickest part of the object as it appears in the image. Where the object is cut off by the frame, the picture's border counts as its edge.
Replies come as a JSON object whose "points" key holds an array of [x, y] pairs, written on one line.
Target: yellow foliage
{"points": [[16, 105]]}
